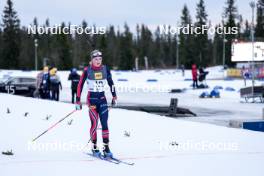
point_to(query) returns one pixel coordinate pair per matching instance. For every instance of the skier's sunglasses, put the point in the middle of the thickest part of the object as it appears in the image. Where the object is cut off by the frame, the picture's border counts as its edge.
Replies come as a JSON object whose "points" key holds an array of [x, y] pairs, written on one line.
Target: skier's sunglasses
{"points": [[98, 54]]}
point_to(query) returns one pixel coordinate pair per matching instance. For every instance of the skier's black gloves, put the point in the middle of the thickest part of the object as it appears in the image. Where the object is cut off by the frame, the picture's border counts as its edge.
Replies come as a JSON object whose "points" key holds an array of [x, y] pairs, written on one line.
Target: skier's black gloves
{"points": [[114, 101]]}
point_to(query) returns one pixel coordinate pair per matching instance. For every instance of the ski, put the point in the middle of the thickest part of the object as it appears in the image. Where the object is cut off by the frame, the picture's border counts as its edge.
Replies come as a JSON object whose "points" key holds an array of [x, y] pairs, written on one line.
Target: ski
{"points": [[103, 158], [111, 160], [123, 162]]}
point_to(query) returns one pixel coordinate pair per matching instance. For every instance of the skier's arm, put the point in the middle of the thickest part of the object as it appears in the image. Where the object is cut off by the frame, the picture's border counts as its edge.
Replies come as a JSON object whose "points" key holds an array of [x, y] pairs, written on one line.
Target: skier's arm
{"points": [[70, 77], [38, 82], [111, 82], [59, 80], [60, 85], [81, 83], [48, 81]]}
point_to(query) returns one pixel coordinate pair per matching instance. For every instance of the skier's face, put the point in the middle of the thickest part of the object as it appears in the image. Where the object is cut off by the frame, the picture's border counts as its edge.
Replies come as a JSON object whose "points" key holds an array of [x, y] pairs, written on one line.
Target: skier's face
{"points": [[97, 61]]}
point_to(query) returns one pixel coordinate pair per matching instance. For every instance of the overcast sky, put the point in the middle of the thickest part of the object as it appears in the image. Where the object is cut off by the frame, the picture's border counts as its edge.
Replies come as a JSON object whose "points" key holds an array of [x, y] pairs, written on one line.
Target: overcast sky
{"points": [[116, 12]]}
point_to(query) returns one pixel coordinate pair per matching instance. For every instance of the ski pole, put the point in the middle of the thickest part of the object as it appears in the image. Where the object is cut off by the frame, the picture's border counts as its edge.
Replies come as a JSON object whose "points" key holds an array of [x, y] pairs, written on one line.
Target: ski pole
{"points": [[54, 125]]}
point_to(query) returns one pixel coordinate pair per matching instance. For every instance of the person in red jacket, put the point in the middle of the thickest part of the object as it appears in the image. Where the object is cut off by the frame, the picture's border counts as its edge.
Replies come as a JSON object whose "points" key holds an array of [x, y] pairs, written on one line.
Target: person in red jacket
{"points": [[194, 76], [97, 76]]}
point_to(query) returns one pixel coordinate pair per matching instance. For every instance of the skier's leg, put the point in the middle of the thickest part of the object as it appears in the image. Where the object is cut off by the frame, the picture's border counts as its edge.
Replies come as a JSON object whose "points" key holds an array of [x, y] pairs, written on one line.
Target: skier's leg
{"points": [[48, 93], [73, 96], [103, 114], [53, 94], [196, 83], [94, 122], [41, 93], [58, 95]]}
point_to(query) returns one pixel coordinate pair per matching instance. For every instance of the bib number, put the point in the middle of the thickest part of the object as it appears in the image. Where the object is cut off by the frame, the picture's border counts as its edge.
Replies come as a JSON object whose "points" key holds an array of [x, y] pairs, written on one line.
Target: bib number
{"points": [[99, 86]]}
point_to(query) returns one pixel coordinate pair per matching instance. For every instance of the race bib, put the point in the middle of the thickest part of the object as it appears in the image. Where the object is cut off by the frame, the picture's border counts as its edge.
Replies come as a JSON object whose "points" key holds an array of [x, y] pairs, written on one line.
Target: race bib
{"points": [[96, 85], [98, 75]]}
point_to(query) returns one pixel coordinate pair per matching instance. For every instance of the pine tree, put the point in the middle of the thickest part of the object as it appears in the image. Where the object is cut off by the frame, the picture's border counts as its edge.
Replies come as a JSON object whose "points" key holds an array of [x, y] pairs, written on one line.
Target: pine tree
{"points": [[102, 46], [47, 40], [126, 50], [231, 15], [260, 23], [201, 39], [158, 50], [112, 47], [83, 45], [64, 51], [11, 38], [168, 47], [239, 26], [1, 44], [27, 54], [218, 48], [186, 47], [145, 44], [246, 32]]}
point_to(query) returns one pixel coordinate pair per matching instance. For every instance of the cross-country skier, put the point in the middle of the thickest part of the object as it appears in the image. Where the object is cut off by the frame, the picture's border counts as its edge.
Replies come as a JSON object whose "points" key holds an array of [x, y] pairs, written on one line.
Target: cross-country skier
{"points": [[97, 76]]}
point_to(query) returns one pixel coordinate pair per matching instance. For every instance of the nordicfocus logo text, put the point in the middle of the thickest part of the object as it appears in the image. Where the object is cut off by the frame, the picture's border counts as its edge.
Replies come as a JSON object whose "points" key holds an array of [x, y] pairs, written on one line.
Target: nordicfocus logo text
{"points": [[191, 29], [71, 29]]}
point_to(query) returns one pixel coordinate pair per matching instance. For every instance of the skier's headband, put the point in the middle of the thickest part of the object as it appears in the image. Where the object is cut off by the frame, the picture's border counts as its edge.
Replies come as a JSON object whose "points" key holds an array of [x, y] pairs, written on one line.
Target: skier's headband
{"points": [[96, 54]]}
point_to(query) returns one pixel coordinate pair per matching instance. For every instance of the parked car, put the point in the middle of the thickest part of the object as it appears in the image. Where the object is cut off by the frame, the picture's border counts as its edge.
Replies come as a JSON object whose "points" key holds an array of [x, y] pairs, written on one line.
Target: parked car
{"points": [[18, 85]]}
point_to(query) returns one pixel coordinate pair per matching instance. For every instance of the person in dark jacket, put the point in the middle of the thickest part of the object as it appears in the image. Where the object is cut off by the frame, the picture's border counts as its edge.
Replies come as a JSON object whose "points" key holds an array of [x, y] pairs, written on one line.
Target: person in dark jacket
{"points": [[74, 77], [183, 70], [39, 92], [45, 84], [55, 85], [202, 77]]}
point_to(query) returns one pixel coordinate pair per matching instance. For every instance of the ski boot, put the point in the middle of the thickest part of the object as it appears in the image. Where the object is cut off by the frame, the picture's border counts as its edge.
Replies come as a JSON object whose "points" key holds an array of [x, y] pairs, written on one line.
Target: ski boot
{"points": [[106, 151], [96, 151]]}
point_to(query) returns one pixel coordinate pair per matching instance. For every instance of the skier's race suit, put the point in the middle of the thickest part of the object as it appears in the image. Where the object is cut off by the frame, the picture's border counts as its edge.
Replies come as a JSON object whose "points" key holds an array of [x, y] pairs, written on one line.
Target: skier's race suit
{"points": [[97, 78]]}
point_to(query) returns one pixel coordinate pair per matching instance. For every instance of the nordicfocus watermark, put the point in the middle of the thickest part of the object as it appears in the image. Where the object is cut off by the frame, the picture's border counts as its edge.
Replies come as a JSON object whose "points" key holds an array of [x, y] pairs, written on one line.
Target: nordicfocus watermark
{"points": [[65, 146], [192, 29], [202, 146], [68, 30], [189, 145], [136, 88], [55, 146]]}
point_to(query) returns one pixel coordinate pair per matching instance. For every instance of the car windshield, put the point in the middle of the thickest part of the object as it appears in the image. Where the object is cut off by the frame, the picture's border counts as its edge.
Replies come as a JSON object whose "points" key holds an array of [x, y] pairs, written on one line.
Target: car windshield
{"points": [[5, 80]]}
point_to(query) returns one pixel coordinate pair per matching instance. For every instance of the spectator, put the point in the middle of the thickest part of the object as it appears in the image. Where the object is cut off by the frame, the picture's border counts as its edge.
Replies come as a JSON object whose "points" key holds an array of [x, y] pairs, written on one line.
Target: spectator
{"points": [[39, 92], [74, 77], [55, 84], [183, 70], [45, 83], [194, 76], [202, 78], [245, 75]]}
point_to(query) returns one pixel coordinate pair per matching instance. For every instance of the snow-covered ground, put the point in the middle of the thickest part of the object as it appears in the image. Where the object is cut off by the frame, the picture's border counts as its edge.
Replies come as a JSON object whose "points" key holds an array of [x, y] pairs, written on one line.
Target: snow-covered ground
{"points": [[204, 149]]}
